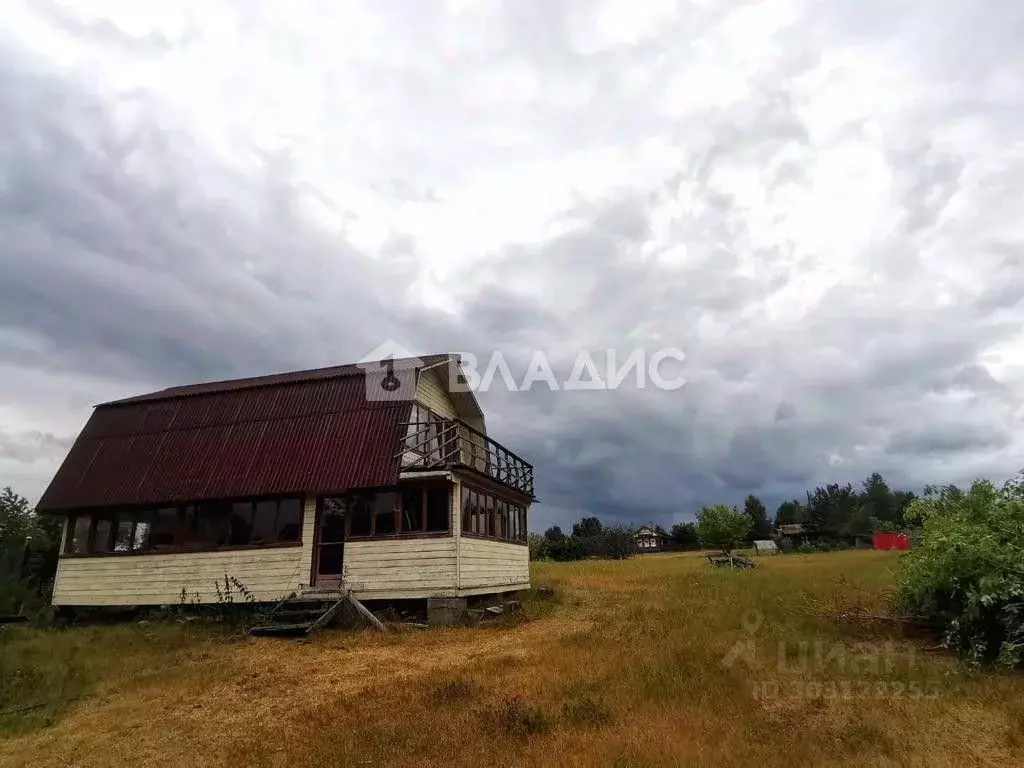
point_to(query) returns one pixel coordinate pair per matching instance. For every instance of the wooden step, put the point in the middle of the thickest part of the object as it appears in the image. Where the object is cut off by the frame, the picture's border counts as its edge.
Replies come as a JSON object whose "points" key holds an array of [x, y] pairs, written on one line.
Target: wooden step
{"points": [[313, 613], [287, 614], [281, 630]]}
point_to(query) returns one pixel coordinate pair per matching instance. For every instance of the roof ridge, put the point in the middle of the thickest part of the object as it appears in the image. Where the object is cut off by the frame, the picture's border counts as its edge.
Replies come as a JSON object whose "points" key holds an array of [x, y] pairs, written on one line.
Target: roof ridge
{"points": [[266, 380]]}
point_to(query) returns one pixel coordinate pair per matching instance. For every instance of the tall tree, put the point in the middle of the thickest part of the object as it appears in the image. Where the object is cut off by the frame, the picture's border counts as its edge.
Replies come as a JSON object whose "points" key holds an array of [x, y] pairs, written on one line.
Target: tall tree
{"points": [[722, 527], [17, 522], [588, 527], [789, 512], [554, 534], [902, 501], [878, 504], [755, 510], [684, 535], [831, 511]]}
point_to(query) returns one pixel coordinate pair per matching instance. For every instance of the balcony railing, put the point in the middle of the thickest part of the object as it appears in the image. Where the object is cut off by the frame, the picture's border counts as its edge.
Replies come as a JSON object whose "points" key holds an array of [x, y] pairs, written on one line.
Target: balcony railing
{"points": [[440, 443]]}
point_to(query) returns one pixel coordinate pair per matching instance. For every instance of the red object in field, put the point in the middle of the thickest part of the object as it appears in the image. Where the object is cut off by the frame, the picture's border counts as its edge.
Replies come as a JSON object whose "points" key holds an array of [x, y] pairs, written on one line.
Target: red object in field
{"points": [[890, 541]]}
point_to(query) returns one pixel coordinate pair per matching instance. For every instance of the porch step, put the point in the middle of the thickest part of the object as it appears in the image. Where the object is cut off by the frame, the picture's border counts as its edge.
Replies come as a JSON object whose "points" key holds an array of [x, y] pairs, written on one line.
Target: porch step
{"points": [[300, 615], [307, 615], [281, 630]]}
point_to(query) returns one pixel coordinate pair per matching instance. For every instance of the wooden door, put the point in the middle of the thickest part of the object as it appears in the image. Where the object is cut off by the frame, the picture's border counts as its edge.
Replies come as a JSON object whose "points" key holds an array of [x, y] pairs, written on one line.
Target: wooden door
{"points": [[330, 543]]}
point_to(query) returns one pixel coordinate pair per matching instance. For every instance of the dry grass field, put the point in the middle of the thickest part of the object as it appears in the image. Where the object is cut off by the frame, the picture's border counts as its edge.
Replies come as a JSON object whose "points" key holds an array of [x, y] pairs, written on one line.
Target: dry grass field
{"points": [[658, 660]]}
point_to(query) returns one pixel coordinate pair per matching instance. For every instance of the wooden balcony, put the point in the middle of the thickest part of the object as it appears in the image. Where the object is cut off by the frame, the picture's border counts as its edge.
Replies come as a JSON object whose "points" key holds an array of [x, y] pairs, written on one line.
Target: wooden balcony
{"points": [[440, 443]]}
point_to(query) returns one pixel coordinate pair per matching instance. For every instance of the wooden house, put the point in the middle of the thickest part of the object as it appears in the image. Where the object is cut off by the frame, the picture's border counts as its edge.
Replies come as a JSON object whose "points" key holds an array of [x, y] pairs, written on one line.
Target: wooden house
{"points": [[377, 478], [649, 539]]}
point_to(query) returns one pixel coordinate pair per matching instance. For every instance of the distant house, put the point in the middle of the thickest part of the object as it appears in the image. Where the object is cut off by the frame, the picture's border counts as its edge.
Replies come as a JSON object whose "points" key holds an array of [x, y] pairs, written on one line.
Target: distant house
{"points": [[377, 478], [649, 539], [790, 535]]}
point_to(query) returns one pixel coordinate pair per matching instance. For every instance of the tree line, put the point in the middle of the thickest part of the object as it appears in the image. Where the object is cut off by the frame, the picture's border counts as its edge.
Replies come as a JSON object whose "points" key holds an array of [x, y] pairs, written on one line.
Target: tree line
{"points": [[833, 512], [830, 513], [28, 552]]}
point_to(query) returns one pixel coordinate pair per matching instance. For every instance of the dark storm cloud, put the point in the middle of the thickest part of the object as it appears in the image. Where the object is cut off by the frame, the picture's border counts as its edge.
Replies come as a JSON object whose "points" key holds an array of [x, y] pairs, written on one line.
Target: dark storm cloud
{"points": [[145, 274], [135, 256]]}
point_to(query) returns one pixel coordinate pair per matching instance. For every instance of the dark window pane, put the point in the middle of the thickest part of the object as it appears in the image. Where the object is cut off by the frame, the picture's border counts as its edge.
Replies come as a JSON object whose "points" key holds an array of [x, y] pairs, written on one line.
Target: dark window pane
{"points": [[438, 508], [329, 559], [489, 507], [467, 511], [481, 514], [412, 510], [165, 528], [101, 540], [384, 512], [125, 532], [210, 525], [241, 523], [289, 512], [143, 529], [471, 495], [190, 527], [78, 541], [361, 516], [332, 522], [264, 527]]}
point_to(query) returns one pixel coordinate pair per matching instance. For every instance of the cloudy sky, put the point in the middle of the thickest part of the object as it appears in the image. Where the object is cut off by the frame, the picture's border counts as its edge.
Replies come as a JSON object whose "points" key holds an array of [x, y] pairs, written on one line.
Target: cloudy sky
{"points": [[819, 203]]}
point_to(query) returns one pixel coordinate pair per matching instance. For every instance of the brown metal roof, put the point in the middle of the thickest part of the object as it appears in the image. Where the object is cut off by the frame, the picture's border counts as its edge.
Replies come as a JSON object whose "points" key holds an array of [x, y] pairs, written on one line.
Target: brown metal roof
{"points": [[313, 374], [309, 431]]}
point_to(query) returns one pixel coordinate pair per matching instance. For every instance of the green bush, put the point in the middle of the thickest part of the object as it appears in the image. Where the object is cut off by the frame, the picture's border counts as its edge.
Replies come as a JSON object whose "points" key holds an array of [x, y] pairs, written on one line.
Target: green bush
{"points": [[722, 527], [967, 568]]}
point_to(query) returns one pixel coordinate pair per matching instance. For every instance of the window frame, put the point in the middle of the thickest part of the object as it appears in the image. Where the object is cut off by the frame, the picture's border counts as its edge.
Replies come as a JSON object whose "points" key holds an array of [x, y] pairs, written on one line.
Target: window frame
{"points": [[492, 515], [149, 513], [364, 496]]}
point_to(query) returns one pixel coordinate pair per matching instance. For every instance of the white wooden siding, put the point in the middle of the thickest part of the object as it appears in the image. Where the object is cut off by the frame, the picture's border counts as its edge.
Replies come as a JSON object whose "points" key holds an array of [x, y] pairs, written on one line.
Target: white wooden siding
{"points": [[405, 568], [400, 567], [432, 393], [269, 574], [485, 563], [381, 569]]}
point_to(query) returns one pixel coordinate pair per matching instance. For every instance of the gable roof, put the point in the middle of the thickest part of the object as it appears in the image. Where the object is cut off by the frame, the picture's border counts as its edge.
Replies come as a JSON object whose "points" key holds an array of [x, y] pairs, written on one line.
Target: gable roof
{"points": [[293, 377], [312, 431]]}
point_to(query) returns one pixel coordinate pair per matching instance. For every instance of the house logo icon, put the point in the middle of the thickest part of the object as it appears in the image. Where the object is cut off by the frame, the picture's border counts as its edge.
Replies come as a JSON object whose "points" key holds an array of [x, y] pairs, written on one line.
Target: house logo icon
{"points": [[390, 372]]}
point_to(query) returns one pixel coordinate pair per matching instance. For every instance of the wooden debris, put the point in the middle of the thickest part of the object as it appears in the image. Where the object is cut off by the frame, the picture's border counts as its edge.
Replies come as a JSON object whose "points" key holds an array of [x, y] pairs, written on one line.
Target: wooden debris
{"points": [[732, 561], [363, 611]]}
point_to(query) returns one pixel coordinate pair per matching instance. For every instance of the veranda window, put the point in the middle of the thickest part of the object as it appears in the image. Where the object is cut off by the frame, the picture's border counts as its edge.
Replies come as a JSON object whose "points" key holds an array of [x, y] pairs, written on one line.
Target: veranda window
{"points": [[189, 527], [489, 515]]}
